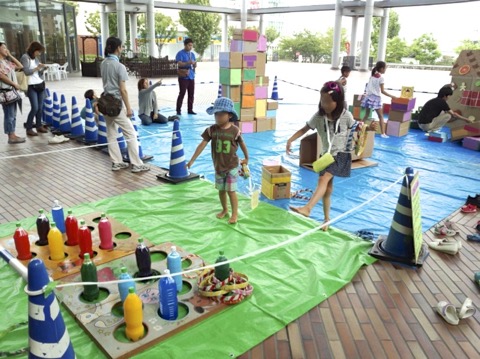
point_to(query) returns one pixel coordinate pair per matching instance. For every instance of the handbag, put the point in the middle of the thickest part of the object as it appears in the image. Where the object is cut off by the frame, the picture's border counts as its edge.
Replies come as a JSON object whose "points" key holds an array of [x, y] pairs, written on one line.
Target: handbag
{"points": [[39, 87], [326, 159], [109, 105], [22, 80], [9, 96], [183, 72]]}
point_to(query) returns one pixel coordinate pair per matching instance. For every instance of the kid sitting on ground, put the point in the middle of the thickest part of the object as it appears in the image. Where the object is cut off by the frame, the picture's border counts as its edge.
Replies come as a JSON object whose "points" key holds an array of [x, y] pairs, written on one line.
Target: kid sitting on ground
{"points": [[225, 138], [90, 94], [339, 123]]}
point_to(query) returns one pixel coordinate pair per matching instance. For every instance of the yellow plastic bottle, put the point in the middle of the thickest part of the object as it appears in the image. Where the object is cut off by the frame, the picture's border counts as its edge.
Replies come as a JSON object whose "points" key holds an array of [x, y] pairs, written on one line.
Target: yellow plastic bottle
{"points": [[132, 309], [55, 243]]}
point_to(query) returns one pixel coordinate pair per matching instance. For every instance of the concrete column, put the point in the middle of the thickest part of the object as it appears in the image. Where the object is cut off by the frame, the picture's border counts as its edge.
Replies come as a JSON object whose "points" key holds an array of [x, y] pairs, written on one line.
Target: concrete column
{"points": [[152, 47], [122, 29], [353, 36], [367, 28], [261, 25], [243, 15], [337, 35], [225, 33], [382, 39], [104, 27], [133, 31]]}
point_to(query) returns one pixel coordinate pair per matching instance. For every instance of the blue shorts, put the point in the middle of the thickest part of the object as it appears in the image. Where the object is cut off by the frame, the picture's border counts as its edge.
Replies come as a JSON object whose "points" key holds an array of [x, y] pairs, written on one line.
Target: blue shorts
{"points": [[227, 181]]}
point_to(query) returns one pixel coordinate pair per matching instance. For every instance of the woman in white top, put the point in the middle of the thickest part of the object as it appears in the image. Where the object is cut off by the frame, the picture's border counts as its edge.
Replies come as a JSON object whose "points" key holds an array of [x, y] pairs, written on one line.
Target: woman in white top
{"points": [[34, 69]]}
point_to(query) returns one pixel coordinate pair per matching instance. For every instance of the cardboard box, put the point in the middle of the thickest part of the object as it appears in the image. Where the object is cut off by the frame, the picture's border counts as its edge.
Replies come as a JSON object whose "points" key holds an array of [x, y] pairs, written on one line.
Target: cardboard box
{"points": [[261, 63], [473, 127], [232, 92], [272, 105], [250, 46], [402, 104], [248, 101], [261, 92], [368, 150], [276, 174], [236, 106], [262, 80], [386, 108], [247, 126], [472, 143], [249, 61], [275, 190], [236, 46], [245, 34], [248, 88], [273, 124], [436, 139], [263, 124], [399, 116], [249, 74], [357, 100], [397, 129], [261, 108], [438, 136], [247, 114], [262, 43], [230, 60], [358, 113], [271, 113], [230, 76]]}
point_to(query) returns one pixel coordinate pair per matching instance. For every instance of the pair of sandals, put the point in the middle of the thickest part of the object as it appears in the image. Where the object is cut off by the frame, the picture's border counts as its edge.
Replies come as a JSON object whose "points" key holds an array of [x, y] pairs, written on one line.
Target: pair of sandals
{"points": [[469, 208], [453, 315], [449, 246], [445, 229]]}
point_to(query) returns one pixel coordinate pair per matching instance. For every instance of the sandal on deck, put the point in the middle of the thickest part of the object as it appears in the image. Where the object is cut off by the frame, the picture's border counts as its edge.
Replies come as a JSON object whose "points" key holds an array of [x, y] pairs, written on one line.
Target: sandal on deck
{"points": [[473, 237], [469, 208], [443, 230], [450, 247], [448, 312], [466, 310]]}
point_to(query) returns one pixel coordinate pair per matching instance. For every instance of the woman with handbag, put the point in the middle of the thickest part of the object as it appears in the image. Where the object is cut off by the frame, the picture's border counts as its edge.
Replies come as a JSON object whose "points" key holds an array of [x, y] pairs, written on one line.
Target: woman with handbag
{"points": [[9, 96], [34, 69]]}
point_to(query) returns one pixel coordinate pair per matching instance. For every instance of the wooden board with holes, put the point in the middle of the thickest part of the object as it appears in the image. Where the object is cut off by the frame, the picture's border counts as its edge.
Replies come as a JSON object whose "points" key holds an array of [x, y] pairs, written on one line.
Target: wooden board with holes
{"points": [[125, 241], [102, 320]]}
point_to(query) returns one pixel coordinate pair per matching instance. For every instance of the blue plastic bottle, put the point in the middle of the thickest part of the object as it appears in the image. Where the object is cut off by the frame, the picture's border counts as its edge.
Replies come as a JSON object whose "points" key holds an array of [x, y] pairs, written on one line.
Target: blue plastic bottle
{"points": [[123, 287], [168, 297], [174, 265], [58, 216]]}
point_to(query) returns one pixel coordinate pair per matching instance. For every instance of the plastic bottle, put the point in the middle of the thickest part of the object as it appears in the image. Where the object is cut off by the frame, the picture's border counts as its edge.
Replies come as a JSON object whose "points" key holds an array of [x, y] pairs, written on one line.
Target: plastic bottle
{"points": [[123, 287], [84, 240], [43, 226], [222, 271], [88, 272], [22, 243], [168, 300], [132, 311], [144, 262], [174, 265], [58, 216], [105, 233], [71, 227], [55, 243]]}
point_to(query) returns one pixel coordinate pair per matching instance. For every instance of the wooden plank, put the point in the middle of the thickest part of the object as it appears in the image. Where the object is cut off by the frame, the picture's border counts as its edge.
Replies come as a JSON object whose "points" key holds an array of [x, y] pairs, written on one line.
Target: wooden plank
{"points": [[295, 339]]}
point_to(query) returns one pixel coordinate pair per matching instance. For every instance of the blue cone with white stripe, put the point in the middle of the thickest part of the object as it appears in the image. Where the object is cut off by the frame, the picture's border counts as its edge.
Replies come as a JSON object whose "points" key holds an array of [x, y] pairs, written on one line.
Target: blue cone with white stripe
{"points": [[47, 335], [77, 126], [91, 130], [219, 91], [102, 130], [275, 90], [65, 124], [47, 108], [56, 112], [121, 141], [177, 156]]}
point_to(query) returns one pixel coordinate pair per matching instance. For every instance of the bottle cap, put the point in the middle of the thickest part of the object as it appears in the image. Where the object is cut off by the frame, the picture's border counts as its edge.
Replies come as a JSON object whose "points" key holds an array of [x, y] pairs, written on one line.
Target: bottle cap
{"points": [[86, 256], [166, 271], [221, 252], [174, 248], [131, 290], [102, 215], [55, 203], [140, 240], [82, 222], [69, 211], [40, 211], [52, 224], [18, 225], [123, 269]]}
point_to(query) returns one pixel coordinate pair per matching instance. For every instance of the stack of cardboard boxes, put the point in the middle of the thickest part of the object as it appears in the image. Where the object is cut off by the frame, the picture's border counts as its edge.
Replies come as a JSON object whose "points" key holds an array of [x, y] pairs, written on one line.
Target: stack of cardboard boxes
{"points": [[276, 182], [243, 80], [400, 116]]}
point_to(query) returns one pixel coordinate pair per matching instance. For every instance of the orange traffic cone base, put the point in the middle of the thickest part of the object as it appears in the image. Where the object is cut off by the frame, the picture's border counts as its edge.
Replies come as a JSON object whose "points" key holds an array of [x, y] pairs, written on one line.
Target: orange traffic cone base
{"points": [[163, 176], [378, 252]]}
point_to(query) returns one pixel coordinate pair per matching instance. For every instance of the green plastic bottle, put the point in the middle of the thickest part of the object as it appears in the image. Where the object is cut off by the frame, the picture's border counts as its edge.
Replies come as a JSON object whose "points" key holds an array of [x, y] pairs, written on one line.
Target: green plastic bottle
{"points": [[222, 271], [89, 274]]}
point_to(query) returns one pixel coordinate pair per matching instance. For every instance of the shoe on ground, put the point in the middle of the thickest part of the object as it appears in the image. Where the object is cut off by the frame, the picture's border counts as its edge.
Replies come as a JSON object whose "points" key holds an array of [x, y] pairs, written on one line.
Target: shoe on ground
{"points": [[192, 113], [64, 139], [15, 140], [466, 310], [446, 246], [31, 132], [119, 166], [448, 312], [140, 168], [56, 140], [473, 237], [173, 118], [179, 113], [384, 136], [469, 208], [473, 200], [42, 130]]}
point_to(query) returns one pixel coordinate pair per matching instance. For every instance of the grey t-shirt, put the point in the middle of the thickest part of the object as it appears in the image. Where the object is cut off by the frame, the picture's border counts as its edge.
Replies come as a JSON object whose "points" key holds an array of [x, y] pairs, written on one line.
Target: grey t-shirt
{"points": [[338, 139], [112, 73], [147, 100]]}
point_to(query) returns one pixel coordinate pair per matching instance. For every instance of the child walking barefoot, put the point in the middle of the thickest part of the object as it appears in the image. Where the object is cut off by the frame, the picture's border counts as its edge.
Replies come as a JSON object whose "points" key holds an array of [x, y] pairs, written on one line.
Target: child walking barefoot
{"points": [[339, 123], [226, 138], [372, 100]]}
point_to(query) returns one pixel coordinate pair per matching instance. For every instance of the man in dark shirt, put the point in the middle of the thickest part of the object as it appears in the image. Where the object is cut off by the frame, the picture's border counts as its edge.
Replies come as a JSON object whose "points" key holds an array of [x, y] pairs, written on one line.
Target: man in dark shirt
{"points": [[436, 112]]}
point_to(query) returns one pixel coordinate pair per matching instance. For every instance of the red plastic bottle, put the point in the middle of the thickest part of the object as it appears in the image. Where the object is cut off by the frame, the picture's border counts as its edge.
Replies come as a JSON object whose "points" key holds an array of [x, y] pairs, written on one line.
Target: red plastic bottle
{"points": [[85, 239], [22, 243], [71, 227], [105, 233]]}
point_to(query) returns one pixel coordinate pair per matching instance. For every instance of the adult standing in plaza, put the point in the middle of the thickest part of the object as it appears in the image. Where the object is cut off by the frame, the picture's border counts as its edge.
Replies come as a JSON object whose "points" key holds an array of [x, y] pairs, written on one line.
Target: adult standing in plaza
{"points": [[114, 75], [8, 82], [34, 69], [187, 64]]}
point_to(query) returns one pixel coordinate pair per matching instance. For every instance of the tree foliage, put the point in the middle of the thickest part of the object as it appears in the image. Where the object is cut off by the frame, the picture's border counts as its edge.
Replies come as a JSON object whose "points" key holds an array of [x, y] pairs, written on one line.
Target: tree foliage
{"points": [[272, 34], [468, 45], [396, 49], [392, 31], [200, 26], [165, 29], [94, 27], [425, 49]]}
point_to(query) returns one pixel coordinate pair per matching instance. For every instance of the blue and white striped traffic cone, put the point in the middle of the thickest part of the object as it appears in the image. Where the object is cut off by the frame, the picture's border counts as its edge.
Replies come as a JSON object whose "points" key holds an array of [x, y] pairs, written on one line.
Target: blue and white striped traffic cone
{"points": [[102, 131], [142, 156], [220, 94], [47, 108], [121, 142], [177, 156], [56, 112], [65, 124], [47, 334], [77, 126], [274, 90], [91, 130]]}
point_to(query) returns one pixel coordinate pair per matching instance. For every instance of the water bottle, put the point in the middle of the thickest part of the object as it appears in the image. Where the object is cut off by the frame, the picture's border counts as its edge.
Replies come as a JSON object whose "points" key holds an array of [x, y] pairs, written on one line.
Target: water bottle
{"points": [[71, 227], [43, 226], [222, 271], [132, 311], [174, 265], [144, 262], [55, 243], [88, 272], [124, 286], [58, 216], [85, 240], [168, 300], [22, 243], [105, 233]]}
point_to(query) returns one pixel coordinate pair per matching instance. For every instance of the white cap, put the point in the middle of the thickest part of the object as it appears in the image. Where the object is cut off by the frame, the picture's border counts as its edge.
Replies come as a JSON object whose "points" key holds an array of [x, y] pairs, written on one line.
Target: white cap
{"points": [[174, 248], [166, 271]]}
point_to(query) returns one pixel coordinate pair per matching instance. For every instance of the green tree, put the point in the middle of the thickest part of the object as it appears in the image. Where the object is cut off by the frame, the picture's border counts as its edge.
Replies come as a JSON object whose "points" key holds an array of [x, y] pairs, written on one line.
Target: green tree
{"points": [[93, 23], [165, 29], [468, 45], [396, 49], [425, 49], [200, 26], [392, 31], [272, 34]]}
